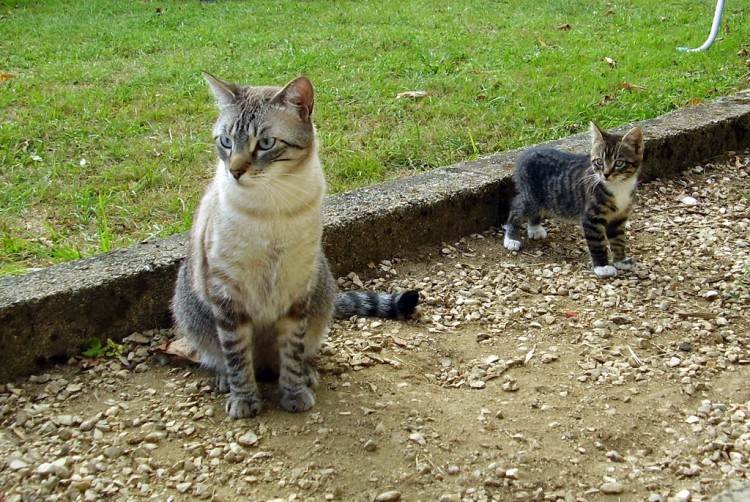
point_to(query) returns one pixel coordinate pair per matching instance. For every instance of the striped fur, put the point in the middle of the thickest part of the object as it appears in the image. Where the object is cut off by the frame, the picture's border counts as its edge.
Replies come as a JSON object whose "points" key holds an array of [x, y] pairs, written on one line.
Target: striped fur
{"points": [[255, 294], [596, 189]]}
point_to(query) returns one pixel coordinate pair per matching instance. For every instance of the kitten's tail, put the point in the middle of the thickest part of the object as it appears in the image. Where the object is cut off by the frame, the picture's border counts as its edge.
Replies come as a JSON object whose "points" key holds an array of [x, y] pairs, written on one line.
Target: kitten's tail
{"points": [[376, 304]]}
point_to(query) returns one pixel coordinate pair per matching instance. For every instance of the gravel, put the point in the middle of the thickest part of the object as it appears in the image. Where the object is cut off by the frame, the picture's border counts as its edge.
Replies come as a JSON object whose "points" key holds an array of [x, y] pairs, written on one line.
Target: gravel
{"points": [[526, 377]]}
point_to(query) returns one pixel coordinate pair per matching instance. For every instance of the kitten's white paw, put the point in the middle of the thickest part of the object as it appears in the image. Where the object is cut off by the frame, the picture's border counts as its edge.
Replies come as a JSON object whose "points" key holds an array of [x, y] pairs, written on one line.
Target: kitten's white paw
{"points": [[536, 232], [605, 271], [625, 264], [297, 399], [511, 244], [242, 406]]}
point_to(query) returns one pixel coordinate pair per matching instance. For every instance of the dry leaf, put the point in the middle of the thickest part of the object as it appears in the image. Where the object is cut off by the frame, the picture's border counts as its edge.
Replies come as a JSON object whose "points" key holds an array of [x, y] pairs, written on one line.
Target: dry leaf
{"points": [[570, 313], [565, 26], [742, 52], [481, 97], [632, 87], [6, 76], [694, 102], [179, 347], [609, 12], [87, 363], [543, 43], [611, 62], [607, 99], [412, 94]]}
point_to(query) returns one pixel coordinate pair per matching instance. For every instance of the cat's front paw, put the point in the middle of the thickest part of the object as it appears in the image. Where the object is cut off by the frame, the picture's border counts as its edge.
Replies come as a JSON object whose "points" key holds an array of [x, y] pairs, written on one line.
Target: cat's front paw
{"points": [[625, 264], [243, 406], [605, 271], [297, 399], [536, 232], [511, 244]]}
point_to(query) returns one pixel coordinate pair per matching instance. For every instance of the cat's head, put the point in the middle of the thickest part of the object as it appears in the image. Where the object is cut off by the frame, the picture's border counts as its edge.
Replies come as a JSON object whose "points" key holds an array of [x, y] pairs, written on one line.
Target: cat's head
{"points": [[616, 158], [263, 130]]}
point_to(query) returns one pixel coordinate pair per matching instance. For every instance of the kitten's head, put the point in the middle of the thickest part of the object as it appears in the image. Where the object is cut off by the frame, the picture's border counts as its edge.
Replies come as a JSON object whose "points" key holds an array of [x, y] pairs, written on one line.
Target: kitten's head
{"points": [[263, 130], [616, 158]]}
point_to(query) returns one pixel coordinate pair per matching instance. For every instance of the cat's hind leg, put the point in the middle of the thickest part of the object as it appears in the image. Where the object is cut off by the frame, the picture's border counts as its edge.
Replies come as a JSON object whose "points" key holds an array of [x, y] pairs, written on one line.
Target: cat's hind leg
{"points": [[512, 240], [534, 228]]}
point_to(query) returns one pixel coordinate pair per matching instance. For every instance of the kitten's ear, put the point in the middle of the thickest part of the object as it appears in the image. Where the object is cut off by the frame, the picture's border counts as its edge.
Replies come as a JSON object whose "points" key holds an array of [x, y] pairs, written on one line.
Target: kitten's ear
{"points": [[225, 92], [299, 94], [597, 136], [634, 139]]}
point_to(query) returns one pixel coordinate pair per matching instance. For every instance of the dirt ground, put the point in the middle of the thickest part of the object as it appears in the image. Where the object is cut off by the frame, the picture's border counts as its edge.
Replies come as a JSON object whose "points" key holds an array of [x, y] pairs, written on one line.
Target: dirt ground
{"points": [[525, 378]]}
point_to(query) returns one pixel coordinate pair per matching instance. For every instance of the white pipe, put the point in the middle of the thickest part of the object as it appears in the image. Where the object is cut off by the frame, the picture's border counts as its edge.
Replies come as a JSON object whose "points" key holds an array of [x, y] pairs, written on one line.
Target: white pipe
{"points": [[714, 30]]}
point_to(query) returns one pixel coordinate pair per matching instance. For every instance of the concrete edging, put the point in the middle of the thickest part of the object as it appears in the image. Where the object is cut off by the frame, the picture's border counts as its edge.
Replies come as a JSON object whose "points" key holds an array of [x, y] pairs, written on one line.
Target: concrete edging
{"points": [[49, 315]]}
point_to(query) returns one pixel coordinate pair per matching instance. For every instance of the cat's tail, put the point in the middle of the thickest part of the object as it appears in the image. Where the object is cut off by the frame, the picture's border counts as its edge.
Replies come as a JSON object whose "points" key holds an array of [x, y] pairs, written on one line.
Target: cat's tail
{"points": [[376, 304]]}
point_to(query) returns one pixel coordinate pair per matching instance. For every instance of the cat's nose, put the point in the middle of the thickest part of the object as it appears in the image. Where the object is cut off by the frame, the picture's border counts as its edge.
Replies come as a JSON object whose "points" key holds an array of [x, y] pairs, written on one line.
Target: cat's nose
{"points": [[236, 173]]}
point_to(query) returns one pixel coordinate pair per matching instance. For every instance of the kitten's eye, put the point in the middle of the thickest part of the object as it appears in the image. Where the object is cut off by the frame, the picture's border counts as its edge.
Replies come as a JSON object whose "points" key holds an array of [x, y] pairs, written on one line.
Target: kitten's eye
{"points": [[619, 164], [598, 163], [225, 141], [266, 143]]}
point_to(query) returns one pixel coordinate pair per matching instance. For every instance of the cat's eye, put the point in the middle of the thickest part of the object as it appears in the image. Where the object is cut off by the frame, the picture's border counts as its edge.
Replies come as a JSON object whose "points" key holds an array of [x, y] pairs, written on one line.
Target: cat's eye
{"points": [[598, 162], [266, 143], [619, 164], [225, 141]]}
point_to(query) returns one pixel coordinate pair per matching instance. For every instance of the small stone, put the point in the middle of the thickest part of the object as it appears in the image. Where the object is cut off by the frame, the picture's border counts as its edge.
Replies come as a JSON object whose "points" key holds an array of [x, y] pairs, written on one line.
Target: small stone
{"points": [[511, 473], [477, 384], [674, 362], [686, 347], [248, 439], [389, 496], [113, 452], [417, 438], [183, 487], [682, 496], [370, 445], [611, 488], [17, 465]]}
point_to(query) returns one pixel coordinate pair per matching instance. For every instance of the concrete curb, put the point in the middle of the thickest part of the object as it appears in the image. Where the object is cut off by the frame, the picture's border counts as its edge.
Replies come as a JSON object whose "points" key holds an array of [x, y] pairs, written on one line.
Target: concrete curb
{"points": [[48, 315]]}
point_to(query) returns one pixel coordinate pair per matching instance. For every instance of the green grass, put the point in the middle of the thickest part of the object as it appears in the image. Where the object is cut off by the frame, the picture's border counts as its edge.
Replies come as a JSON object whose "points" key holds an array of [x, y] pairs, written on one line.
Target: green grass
{"points": [[105, 137]]}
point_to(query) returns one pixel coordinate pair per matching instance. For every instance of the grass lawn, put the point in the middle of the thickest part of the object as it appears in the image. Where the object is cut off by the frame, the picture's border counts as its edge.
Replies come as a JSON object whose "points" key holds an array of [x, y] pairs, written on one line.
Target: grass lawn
{"points": [[105, 137]]}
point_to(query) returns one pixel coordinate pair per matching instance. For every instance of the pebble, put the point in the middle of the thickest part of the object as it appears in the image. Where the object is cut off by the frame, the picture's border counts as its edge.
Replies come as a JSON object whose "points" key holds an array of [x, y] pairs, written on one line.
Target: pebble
{"points": [[611, 488], [389, 496], [248, 439]]}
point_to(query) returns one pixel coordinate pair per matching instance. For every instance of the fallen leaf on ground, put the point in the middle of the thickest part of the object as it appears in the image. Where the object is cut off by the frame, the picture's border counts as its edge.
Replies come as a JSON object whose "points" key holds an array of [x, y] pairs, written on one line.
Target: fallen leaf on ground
{"points": [[179, 347], [565, 26], [611, 62], [742, 52], [412, 94], [6, 76], [694, 102], [609, 12], [632, 87]]}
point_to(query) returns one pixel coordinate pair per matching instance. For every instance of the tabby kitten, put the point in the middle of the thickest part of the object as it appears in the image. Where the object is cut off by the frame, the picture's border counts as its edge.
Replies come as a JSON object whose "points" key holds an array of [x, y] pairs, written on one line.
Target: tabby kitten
{"points": [[255, 293], [597, 189]]}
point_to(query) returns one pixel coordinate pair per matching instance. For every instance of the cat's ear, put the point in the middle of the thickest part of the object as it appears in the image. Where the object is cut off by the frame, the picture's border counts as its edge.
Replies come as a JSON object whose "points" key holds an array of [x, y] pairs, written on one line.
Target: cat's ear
{"points": [[634, 139], [299, 94], [225, 92], [597, 136]]}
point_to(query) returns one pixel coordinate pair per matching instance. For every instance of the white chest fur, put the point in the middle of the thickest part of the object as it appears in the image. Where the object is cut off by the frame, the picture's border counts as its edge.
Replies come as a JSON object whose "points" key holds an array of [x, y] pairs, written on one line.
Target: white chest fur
{"points": [[268, 249], [623, 192]]}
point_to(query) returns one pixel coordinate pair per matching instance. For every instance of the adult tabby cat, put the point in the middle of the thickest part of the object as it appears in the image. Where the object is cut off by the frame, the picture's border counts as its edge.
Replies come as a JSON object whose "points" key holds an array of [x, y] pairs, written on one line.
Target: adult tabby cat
{"points": [[597, 189], [255, 293]]}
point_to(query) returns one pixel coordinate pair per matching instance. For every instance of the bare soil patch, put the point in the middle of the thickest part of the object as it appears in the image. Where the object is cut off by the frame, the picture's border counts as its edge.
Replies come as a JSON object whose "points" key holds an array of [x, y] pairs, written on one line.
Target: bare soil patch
{"points": [[526, 378]]}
